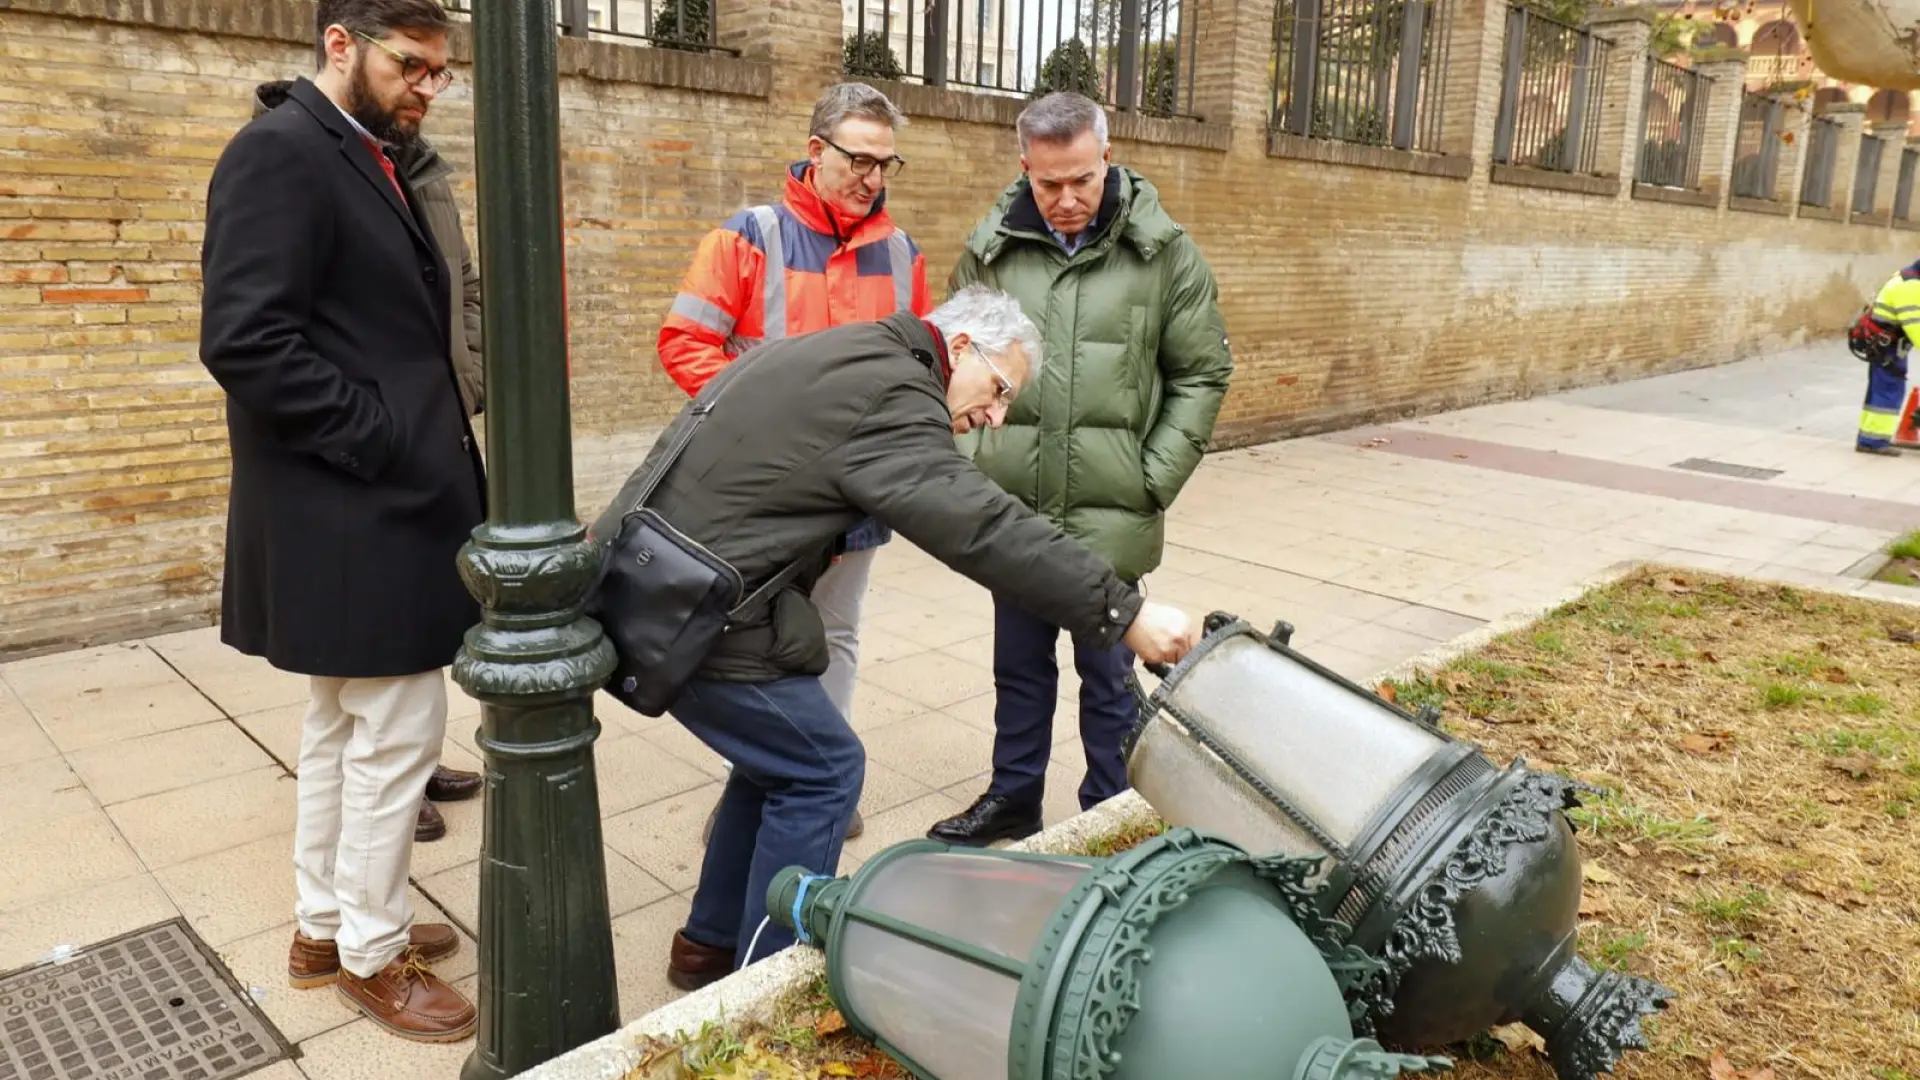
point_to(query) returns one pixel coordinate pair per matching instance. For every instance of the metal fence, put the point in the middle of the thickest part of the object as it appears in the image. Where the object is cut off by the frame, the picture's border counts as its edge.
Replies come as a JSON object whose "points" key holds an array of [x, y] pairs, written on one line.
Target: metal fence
{"points": [[1670, 138], [1866, 174], [1135, 55], [1361, 71], [1816, 180], [1551, 94], [1756, 151], [1903, 191], [686, 25]]}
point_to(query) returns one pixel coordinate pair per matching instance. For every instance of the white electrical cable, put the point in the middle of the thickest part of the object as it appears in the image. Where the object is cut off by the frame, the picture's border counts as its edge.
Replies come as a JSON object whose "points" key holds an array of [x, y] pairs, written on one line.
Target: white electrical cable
{"points": [[748, 959]]}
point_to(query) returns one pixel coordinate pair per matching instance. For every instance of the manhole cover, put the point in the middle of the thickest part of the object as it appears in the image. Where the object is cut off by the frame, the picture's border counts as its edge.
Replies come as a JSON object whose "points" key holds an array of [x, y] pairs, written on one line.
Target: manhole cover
{"points": [[150, 1005], [1724, 468]]}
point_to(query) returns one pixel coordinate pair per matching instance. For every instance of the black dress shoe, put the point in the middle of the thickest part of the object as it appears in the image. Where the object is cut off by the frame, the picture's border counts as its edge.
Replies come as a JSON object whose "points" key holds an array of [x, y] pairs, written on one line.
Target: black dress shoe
{"points": [[990, 818]]}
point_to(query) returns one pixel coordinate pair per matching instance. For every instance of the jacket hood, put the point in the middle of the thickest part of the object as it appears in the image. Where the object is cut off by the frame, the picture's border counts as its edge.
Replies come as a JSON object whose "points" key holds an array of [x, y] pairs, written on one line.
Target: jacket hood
{"points": [[813, 211], [419, 160], [1139, 218]]}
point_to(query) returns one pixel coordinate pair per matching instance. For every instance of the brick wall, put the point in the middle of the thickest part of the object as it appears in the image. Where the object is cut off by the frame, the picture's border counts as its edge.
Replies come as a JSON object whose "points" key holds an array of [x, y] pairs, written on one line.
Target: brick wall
{"points": [[1352, 291]]}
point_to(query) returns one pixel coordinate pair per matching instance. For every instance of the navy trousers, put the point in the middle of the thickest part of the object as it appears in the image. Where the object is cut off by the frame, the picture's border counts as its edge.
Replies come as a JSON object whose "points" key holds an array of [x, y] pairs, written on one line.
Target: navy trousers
{"points": [[1026, 681], [1886, 387], [795, 782]]}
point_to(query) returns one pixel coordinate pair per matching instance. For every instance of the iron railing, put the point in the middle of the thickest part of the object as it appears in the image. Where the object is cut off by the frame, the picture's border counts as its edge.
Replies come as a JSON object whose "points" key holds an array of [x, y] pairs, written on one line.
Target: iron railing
{"points": [[1866, 174], [1773, 68], [1903, 191], [1671, 143], [1552, 90], [1361, 71], [1135, 55], [687, 25], [1756, 151], [1816, 180]]}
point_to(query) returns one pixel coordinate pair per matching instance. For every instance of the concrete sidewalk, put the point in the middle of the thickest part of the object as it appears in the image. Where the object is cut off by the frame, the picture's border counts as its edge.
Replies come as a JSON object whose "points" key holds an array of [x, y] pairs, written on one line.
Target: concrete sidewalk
{"points": [[151, 779]]}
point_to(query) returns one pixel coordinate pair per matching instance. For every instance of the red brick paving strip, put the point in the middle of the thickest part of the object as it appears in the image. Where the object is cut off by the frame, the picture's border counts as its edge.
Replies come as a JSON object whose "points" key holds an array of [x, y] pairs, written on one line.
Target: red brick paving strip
{"points": [[1758, 496]]}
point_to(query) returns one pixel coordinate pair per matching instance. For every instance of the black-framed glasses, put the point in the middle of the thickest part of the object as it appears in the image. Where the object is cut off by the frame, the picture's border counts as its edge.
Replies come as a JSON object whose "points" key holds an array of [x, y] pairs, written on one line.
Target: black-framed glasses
{"points": [[413, 69], [864, 164]]}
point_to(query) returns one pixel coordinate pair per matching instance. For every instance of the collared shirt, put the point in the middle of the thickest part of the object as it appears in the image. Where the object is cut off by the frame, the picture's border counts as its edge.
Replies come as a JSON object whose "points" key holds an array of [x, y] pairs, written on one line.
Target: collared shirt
{"points": [[357, 126], [1080, 241]]}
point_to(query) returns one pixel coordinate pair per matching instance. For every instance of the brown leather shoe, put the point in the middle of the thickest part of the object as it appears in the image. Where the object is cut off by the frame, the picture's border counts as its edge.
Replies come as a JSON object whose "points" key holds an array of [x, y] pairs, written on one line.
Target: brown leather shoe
{"points": [[453, 785], [410, 1001], [431, 825], [691, 965], [313, 963]]}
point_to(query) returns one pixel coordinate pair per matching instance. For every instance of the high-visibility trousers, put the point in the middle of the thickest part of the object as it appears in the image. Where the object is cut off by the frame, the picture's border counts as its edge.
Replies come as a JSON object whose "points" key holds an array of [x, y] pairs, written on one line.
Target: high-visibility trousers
{"points": [[1886, 386]]}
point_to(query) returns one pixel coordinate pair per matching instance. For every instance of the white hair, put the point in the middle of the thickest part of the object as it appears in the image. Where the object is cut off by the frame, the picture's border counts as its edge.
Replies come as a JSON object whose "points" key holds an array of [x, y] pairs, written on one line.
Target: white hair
{"points": [[1061, 117], [993, 321]]}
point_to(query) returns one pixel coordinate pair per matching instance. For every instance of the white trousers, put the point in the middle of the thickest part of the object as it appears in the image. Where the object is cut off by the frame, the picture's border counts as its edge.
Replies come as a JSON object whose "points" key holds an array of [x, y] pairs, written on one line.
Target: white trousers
{"points": [[838, 596], [367, 750]]}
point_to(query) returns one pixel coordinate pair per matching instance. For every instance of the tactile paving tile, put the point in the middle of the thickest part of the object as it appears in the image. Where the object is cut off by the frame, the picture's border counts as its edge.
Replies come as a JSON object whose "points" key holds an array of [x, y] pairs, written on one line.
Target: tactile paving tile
{"points": [[151, 1005]]}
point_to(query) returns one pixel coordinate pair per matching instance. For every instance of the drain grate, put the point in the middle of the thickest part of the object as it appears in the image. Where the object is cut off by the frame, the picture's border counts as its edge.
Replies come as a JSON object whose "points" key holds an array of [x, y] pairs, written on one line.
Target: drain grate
{"points": [[1724, 468], [151, 1005]]}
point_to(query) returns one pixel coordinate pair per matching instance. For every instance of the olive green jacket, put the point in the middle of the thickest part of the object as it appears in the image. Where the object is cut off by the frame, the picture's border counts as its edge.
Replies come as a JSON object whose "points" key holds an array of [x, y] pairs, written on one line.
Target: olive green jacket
{"points": [[1135, 366]]}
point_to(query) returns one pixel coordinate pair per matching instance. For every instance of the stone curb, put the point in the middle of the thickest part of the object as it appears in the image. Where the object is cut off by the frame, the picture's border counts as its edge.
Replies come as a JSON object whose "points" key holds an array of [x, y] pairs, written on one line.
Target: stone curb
{"points": [[755, 994]]}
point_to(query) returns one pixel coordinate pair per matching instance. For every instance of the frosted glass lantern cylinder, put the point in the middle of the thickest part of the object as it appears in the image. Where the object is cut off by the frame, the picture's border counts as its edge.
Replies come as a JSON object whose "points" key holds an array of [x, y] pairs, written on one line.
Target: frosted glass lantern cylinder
{"points": [[1181, 954]]}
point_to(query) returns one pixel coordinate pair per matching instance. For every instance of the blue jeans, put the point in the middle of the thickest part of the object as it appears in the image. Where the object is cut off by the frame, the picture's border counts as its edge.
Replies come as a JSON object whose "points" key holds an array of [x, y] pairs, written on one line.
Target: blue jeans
{"points": [[1026, 681], [797, 772]]}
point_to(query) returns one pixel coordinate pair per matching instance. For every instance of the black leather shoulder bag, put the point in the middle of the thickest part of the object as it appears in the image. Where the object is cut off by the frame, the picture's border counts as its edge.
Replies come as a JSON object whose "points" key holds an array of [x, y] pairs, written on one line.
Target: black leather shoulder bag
{"points": [[664, 599]]}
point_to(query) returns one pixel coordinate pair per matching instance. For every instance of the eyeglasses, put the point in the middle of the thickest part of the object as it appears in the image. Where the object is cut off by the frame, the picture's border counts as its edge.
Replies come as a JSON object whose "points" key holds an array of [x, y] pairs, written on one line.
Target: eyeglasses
{"points": [[413, 69], [864, 164], [1005, 394]]}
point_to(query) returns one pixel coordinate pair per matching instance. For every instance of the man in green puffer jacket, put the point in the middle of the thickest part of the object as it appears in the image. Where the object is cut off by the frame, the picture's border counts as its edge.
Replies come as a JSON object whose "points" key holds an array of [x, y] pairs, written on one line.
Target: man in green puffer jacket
{"points": [[1128, 312]]}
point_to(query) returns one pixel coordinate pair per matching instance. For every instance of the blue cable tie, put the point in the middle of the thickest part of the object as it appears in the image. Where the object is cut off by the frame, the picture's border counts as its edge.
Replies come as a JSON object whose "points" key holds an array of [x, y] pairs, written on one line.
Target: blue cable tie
{"points": [[800, 898]]}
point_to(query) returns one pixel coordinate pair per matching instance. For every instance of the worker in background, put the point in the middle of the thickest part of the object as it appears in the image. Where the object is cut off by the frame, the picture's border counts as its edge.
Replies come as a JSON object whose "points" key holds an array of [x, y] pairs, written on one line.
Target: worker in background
{"points": [[825, 256], [1882, 336]]}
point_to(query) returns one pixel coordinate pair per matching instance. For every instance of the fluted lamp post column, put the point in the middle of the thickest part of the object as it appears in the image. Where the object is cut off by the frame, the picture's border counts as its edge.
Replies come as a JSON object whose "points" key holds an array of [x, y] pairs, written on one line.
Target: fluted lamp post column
{"points": [[1181, 958], [1462, 877], [546, 941]]}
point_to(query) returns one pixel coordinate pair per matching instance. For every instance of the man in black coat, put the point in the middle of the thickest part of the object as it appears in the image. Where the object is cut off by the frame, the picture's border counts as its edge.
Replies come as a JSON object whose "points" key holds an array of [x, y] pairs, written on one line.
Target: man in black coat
{"points": [[815, 434], [355, 483]]}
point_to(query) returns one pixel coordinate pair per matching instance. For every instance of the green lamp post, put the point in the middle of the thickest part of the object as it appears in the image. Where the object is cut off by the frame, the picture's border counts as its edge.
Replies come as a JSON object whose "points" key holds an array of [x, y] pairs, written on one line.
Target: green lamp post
{"points": [[546, 941], [1179, 958], [1462, 877]]}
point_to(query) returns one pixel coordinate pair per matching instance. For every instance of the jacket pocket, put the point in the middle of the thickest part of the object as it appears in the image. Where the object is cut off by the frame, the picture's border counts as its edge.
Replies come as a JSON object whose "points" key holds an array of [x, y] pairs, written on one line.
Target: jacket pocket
{"points": [[799, 639]]}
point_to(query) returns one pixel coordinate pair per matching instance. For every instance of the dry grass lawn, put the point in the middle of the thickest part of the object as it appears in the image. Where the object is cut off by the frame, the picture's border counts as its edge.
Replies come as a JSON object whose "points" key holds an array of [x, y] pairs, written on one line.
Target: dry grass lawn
{"points": [[1757, 848], [1756, 851]]}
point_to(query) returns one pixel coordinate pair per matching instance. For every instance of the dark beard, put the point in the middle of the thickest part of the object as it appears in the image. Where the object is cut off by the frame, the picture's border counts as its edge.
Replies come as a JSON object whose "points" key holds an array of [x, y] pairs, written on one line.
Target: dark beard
{"points": [[381, 123]]}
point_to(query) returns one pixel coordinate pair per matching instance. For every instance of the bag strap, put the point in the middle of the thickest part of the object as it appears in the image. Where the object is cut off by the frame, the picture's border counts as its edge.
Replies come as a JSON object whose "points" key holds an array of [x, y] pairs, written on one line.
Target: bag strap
{"points": [[773, 585], [698, 413]]}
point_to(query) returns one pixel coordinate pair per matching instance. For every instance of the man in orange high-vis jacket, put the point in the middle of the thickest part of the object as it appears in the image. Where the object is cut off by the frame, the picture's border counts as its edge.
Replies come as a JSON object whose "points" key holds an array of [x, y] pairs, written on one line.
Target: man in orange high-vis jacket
{"points": [[828, 254]]}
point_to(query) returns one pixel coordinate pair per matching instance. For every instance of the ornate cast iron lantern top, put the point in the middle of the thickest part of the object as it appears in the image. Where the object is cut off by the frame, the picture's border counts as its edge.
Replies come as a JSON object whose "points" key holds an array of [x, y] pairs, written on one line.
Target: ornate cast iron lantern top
{"points": [[1463, 878], [1181, 957]]}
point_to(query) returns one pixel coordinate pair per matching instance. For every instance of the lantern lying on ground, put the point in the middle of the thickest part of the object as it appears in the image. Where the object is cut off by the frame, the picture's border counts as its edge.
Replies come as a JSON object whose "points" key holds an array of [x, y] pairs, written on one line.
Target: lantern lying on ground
{"points": [[1462, 877], [1180, 958]]}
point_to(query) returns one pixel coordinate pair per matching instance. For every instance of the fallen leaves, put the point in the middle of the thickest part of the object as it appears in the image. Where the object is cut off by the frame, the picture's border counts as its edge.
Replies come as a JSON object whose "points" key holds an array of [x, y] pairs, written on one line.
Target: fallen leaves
{"points": [[1674, 585], [1597, 874], [1704, 742], [1387, 692], [1517, 1037], [830, 1023], [1594, 904]]}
